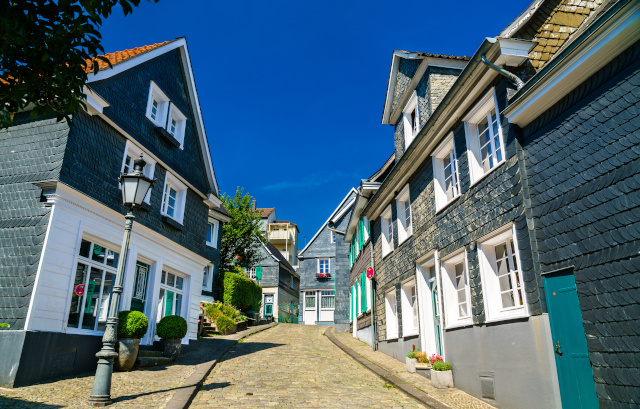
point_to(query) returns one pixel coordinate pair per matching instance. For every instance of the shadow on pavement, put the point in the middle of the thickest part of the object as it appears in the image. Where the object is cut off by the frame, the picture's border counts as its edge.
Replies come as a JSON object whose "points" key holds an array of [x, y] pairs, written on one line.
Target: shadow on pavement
{"points": [[246, 348], [130, 397], [214, 386], [16, 403]]}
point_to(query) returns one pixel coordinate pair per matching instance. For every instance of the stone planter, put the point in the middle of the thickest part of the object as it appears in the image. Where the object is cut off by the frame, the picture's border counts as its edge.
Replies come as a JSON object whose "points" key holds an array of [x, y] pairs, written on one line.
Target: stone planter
{"points": [[411, 364], [423, 366], [442, 379], [127, 354], [171, 348]]}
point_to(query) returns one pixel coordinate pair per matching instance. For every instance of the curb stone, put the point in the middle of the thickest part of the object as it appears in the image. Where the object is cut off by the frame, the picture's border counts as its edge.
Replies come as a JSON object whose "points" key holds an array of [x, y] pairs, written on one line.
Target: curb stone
{"points": [[405, 387], [184, 396]]}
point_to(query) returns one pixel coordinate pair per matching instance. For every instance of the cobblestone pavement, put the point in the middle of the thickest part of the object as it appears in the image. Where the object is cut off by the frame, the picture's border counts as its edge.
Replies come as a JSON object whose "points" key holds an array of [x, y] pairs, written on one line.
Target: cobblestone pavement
{"points": [[295, 366], [454, 398], [144, 388]]}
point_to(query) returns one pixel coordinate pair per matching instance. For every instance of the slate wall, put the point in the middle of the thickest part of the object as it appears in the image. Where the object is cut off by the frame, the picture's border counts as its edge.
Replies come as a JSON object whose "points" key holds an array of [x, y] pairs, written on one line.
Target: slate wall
{"points": [[583, 165], [30, 151]]}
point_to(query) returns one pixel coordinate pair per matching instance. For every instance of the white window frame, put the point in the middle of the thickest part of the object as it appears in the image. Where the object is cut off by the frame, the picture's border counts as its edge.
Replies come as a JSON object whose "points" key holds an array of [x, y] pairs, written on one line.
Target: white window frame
{"points": [[181, 124], [181, 196], [450, 292], [251, 273], [411, 129], [445, 151], [490, 281], [133, 152], [386, 222], [410, 325], [391, 314], [323, 295], [328, 260], [479, 112], [214, 225], [310, 295], [163, 105], [175, 290], [403, 201], [206, 277]]}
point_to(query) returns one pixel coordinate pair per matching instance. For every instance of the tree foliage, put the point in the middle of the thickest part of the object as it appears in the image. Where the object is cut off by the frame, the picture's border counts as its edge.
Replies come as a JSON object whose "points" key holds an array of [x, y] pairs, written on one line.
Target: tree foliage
{"points": [[241, 237], [46, 47]]}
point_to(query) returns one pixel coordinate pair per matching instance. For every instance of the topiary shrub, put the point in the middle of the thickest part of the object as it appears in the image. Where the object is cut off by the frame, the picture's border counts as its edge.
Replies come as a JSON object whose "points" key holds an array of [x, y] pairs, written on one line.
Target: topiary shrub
{"points": [[172, 327], [224, 324], [441, 366], [240, 292], [132, 324]]}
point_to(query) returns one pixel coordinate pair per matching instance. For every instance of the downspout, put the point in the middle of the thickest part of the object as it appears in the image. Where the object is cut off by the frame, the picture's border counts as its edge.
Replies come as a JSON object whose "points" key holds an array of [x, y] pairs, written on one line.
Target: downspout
{"points": [[511, 76]]}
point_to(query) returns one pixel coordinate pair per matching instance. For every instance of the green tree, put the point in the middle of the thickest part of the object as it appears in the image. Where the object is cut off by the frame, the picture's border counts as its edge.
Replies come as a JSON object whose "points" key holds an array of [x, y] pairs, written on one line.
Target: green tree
{"points": [[242, 236], [46, 47]]}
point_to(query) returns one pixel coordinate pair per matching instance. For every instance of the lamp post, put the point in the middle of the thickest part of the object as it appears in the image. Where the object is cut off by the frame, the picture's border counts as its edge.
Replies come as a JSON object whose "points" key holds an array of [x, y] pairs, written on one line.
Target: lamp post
{"points": [[134, 188]]}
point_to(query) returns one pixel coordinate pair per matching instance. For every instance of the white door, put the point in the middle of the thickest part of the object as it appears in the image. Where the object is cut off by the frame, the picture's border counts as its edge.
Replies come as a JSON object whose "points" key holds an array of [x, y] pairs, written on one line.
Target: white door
{"points": [[429, 309], [310, 308]]}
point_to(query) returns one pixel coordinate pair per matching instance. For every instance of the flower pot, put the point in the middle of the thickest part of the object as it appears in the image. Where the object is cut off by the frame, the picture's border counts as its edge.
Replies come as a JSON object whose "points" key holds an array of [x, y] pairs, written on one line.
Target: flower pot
{"points": [[171, 348], [442, 379], [411, 364], [127, 354]]}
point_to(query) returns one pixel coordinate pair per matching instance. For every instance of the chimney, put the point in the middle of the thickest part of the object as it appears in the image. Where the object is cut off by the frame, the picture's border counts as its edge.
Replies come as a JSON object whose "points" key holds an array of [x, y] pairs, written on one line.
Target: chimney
{"points": [[253, 204]]}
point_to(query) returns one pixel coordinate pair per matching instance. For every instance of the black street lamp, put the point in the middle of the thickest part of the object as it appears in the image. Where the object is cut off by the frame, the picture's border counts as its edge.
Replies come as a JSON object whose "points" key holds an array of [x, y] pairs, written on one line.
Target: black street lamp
{"points": [[134, 188]]}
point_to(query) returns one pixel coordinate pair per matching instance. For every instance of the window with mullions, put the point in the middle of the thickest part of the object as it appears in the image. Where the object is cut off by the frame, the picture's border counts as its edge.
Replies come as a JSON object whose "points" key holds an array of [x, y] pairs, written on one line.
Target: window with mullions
{"points": [[327, 300], [310, 299], [445, 172], [456, 290], [92, 287], [170, 201], [171, 294], [323, 266], [173, 198]]}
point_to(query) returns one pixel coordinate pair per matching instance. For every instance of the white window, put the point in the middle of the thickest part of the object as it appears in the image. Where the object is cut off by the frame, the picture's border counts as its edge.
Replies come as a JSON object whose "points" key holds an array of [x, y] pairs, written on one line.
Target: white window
{"points": [[485, 143], [92, 288], [445, 170], [501, 275], [391, 314], [333, 236], [310, 300], [327, 300], [387, 232], [208, 271], [411, 120], [323, 266], [173, 198], [403, 205], [251, 272], [457, 296], [171, 295], [176, 124], [131, 153], [409, 309], [157, 105], [212, 233]]}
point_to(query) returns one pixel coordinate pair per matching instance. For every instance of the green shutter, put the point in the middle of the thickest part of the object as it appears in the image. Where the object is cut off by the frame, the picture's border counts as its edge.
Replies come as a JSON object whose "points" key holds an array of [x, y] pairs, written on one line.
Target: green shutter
{"points": [[259, 273], [364, 292], [169, 305]]}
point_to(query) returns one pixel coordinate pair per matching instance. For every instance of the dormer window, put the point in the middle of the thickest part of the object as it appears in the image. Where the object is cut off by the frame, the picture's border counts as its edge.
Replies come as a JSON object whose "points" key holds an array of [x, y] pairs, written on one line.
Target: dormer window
{"points": [[170, 122], [411, 118], [158, 105], [176, 124]]}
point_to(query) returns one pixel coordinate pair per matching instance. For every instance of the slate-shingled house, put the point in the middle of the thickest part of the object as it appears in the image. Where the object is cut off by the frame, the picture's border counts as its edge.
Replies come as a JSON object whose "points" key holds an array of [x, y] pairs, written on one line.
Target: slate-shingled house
{"points": [[62, 217], [511, 218]]}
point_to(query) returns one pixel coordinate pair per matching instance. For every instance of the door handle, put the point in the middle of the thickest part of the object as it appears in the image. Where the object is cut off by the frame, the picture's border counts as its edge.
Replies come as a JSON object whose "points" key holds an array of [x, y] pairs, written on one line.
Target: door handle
{"points": [[557, 348]]}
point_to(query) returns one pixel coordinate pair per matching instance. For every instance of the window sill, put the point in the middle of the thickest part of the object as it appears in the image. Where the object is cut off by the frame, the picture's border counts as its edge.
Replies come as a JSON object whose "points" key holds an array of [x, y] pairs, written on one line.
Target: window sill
{"points": [[386, 255], [172, 222], [520, 314], [166, 135], [392, 338], [484, 175], [405, 239], [211, 245], [411, 334], [77, 331], [444, 206], [461, 324]]}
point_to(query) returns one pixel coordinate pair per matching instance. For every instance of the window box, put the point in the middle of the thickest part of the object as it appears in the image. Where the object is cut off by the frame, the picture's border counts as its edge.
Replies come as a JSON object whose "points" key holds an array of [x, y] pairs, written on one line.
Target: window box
{"points": [[387, 232], [485, 143], [457, 294], [167, 136], [171, 222], [403, 206], [445, 171], [323, 275]]}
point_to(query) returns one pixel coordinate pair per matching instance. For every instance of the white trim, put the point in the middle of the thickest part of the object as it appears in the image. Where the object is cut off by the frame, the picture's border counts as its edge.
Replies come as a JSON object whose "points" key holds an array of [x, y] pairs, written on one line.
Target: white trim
{"points": [[353, 190], [406, 306], [214, 234], [162, 100], [404, 231], [411, 130], [328, 259], [181, 197], [391, 314], [131, 149], [451, 300], [387, 227], [95, 103], [343, 211], [445, 150], [181, 123]]}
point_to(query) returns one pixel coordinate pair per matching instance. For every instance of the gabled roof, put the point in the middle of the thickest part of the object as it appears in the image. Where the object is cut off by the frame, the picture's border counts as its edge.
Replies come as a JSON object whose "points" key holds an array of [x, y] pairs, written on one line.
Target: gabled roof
{"points": [[278, 256], [121, 56], [125, 60], [335, 212], [265, 211]]}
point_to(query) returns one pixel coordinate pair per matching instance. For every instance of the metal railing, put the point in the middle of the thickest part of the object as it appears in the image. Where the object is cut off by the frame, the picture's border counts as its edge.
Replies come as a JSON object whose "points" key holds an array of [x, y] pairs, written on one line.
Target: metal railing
{"points": [[288, 313]]}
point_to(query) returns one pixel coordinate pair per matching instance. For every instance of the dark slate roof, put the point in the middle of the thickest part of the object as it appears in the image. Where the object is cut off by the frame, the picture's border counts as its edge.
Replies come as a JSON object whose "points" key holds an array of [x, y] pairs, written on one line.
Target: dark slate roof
{"points": [[276, 253]]}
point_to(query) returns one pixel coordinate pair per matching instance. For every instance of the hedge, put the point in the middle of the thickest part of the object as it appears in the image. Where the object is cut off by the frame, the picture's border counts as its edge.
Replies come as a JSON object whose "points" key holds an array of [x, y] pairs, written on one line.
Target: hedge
{"points": [[240, 292]]}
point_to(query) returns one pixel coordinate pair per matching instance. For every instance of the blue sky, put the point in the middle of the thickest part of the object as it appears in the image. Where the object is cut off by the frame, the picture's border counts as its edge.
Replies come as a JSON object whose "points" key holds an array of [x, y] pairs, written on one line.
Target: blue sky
{"points": [[292, 92]]}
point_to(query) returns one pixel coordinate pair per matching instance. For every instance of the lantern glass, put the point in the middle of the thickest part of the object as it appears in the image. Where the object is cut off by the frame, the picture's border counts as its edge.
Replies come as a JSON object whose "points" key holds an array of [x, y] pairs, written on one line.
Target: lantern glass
{"points": [[143, 187]]}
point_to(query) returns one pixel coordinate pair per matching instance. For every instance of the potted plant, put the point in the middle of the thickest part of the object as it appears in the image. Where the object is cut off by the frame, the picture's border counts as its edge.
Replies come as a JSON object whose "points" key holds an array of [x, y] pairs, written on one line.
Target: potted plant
{"points": [[411, 360], [132, 325], [441, 375], [171, 329], [423, 361]]}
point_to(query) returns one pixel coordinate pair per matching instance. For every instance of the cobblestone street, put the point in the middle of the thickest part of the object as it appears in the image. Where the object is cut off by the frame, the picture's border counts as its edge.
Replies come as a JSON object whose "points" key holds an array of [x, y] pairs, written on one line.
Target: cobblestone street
{"points": [[295, 366]]}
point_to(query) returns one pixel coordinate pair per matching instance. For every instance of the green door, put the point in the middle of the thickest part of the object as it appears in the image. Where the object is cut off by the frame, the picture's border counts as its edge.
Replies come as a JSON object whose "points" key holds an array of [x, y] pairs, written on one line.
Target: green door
{"points": [[575, 376]]}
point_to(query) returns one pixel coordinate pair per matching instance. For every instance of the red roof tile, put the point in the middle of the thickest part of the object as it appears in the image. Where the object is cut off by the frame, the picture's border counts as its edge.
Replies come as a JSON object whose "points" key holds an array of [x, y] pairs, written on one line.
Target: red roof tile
{"points": [[265, 211], [122, 56]]}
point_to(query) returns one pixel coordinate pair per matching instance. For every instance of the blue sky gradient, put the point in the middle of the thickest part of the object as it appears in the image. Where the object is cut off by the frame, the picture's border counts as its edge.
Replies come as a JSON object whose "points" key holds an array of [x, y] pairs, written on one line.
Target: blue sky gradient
{"points": [[292, 92]]}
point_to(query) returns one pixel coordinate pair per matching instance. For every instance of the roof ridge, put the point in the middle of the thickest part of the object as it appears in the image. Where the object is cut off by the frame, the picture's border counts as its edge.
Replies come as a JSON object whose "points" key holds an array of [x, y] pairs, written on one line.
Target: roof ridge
{"points": [[118, 57]]}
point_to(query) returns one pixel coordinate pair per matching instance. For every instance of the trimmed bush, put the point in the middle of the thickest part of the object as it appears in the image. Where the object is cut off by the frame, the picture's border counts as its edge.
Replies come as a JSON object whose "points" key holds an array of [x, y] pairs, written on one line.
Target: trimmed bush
{"points": [[241, 292], [224, 324], [441, 366], [132, 324], [172, 327]]}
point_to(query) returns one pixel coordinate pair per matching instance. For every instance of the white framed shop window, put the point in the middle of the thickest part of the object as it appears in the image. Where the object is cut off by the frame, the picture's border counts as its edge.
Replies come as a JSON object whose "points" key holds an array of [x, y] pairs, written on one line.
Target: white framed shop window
{"points": [[173, 198], [411, 120], [485, 143], [157, 105], [391, 313], [502, 284], [409, 308], [131, 153], [445, 173], [457, 294], [92, 288], [387, 231], [403, 206], [171, 297]]}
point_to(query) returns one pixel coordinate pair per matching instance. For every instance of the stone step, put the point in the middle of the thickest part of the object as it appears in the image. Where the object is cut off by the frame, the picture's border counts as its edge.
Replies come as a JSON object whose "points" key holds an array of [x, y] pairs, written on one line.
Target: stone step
{"points": [[149, 354], [144, 362]]}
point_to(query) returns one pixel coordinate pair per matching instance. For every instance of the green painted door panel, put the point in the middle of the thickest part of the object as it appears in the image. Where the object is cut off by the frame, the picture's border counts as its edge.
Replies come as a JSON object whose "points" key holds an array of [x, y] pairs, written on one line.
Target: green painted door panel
{"points": [[169, 306], [575, 375]]}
